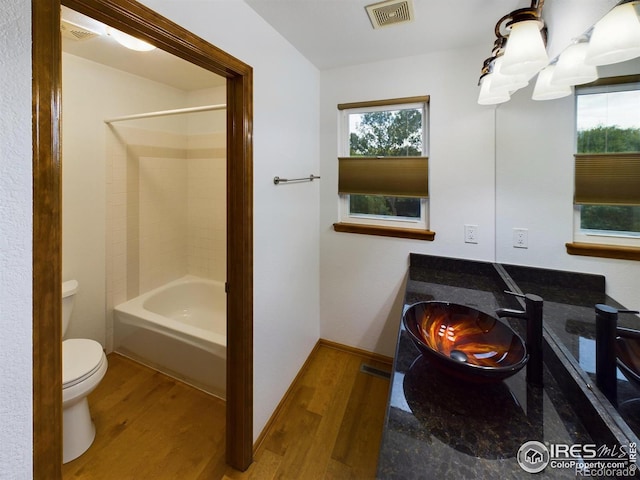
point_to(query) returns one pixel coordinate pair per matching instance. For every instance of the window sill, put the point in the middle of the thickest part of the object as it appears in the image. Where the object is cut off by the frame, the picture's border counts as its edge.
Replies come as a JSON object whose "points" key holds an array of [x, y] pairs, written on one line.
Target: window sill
{"points": [[385, 231], [604, 251]]}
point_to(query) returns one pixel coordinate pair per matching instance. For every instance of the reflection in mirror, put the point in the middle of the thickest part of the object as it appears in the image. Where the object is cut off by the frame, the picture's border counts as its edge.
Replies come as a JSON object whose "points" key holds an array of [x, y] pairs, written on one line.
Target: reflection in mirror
{"points": [[537, 146], [519, 53]]}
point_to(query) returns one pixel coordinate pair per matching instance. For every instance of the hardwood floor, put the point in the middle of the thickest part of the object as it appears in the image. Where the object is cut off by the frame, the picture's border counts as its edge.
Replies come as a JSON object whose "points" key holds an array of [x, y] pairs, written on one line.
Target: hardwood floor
{"points": [[151, 426]]}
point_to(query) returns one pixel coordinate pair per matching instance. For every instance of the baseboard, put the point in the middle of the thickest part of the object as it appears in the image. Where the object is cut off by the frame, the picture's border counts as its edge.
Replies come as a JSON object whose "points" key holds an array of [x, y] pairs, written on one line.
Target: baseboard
{"points": [[325, 343], [357, 351], [283, 400]]}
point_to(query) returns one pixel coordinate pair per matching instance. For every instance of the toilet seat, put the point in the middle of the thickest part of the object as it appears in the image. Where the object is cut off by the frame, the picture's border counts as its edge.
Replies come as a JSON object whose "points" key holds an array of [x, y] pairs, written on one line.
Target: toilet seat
{"points": [[81, 358]]}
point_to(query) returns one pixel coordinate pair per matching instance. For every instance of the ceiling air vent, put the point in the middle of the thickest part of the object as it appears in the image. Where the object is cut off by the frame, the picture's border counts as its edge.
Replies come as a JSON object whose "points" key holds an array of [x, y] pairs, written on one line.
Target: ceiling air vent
{"points": [[390, 12], [75, 31]]}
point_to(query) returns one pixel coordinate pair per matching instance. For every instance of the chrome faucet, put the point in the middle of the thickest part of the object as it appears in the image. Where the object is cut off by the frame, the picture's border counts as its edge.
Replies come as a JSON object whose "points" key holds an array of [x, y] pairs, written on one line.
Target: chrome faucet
{"points": [[533, 315]]}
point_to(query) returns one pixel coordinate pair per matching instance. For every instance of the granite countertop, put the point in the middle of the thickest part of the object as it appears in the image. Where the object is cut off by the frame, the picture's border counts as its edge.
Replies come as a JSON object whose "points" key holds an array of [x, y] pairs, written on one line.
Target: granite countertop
{"points": [[438, 427]]}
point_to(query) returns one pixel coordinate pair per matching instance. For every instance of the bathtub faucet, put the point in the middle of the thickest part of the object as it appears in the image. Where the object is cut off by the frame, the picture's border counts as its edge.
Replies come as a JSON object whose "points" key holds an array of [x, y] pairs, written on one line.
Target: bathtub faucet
{"points": [[533, 315]]}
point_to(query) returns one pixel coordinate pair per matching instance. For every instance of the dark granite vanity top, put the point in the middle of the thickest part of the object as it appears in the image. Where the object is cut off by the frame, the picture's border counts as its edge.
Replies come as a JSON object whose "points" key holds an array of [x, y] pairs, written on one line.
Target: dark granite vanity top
{"points": [[439, 427]]}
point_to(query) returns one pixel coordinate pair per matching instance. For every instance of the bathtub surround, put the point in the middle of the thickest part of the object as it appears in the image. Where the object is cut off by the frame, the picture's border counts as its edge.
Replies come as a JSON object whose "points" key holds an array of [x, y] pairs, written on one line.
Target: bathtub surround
{"points": [[166, 211], [171, 220], [94, 199]]}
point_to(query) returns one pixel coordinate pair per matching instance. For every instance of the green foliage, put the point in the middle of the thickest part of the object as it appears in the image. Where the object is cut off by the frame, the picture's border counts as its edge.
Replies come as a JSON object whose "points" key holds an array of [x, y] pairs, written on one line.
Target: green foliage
{"points": [[611, 139], [380, 205], [611, 218], [390, 133], [396, 133]]}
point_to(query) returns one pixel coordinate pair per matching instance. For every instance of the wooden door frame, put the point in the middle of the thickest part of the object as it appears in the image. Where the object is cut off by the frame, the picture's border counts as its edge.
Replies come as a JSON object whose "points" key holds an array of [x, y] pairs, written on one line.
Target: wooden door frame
{"points": [[134, 19]]}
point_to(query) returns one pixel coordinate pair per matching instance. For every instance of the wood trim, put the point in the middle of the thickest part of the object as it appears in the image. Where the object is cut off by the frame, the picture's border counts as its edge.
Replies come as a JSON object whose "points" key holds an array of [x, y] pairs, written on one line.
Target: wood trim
{"points": [[239, 431], [603, 251], [384, 103], [357, 351], [412, 233], [47, 241], [612, 81], [134, 18]]}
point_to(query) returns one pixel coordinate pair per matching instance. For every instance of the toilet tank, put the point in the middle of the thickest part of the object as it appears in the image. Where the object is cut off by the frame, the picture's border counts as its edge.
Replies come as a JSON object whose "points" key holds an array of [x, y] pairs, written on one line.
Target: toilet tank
{"points": [[69, 289]]}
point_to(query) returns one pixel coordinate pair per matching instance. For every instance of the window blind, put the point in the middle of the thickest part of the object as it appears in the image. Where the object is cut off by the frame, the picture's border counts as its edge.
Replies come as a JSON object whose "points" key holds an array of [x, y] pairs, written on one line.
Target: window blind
{"points": [[396, 177], [607, 179]]}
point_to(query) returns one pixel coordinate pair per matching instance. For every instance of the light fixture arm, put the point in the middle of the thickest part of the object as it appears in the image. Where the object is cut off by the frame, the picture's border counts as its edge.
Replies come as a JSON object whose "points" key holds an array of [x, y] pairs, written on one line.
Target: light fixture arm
{"points": [[537, 4], [534, 12], [529, 18]]}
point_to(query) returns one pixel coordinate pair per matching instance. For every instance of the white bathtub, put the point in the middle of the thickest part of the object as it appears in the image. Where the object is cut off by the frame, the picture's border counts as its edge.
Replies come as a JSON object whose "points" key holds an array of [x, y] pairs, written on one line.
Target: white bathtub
{"points": [[179, 329]]}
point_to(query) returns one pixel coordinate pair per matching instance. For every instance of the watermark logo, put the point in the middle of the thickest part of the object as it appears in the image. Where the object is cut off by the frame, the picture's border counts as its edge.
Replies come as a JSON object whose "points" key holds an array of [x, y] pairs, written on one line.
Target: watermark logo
{"points": [[585, 460], [533, 457]]}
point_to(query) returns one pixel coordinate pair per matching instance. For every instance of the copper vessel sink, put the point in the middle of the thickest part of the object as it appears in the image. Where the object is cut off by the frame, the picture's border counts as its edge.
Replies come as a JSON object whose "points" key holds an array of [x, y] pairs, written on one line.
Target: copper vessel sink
{"points": [[465, 342]]}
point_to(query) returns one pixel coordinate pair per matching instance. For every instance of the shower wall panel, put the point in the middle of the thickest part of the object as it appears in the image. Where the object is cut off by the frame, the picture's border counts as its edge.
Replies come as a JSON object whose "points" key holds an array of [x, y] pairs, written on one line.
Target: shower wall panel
{"points": [[163, 219], [206, 255], [166, 209]]}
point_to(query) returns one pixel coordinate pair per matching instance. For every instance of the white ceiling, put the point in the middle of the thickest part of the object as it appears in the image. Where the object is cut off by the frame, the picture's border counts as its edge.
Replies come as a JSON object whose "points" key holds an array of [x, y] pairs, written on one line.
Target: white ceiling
{"points": [[330, 33], [156, 65], [335, 33]]}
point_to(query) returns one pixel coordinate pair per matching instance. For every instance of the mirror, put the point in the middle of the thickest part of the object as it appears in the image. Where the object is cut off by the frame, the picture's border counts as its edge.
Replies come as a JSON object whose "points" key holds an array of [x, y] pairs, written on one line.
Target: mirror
{"points": [[535, 146]]}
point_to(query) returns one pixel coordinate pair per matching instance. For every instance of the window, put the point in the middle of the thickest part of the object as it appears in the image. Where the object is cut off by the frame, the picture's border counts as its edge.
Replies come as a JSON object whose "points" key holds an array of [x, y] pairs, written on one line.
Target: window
{"points": [[383, 167], [607, 164]]}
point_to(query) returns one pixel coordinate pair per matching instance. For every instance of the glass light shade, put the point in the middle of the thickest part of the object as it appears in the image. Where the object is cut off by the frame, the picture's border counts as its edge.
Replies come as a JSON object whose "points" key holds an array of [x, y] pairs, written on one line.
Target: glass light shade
{"points": [[508, 83], [615, 37], [544, 90], [128, 41], [571, 69], [525, 52], [487, 97]]}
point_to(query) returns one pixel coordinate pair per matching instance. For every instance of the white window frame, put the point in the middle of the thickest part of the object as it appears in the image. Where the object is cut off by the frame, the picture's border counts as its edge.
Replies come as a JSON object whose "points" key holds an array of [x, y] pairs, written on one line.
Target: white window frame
{"points": [[344, 214], [601, 237]]}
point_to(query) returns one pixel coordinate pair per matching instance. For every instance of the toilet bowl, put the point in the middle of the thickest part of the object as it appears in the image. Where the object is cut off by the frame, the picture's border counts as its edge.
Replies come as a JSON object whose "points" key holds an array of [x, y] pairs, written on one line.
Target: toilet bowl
{"points": [[84, 364], [83, 367]]}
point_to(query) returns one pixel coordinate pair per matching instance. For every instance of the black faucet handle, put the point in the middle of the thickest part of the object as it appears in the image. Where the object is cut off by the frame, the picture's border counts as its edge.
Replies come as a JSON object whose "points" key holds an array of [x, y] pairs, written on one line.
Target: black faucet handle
{"points": [[527, 296], [515, 294], [611, 312]]}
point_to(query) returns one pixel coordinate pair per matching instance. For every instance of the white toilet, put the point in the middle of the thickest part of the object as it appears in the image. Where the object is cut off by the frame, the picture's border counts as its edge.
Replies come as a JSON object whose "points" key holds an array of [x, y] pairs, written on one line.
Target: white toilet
{"points": [[84, 363]]}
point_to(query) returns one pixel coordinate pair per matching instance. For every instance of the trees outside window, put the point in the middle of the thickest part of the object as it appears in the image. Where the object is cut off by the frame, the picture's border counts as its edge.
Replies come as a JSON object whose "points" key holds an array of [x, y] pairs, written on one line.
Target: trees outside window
{"points": [[608, 123]]}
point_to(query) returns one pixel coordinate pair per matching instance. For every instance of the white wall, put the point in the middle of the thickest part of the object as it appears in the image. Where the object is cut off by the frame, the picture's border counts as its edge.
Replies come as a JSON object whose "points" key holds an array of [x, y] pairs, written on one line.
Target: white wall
{"points": [[15, 241], [535, 143], [362, 276], [286, 258], [368, 271], [534, 177], [569, 19], [92, 93]]}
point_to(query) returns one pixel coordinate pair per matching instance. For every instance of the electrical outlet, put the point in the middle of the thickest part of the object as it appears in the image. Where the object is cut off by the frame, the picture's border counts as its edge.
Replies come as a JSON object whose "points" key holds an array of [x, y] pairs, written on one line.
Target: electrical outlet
{"points": [[471, 234], [520, 238]]}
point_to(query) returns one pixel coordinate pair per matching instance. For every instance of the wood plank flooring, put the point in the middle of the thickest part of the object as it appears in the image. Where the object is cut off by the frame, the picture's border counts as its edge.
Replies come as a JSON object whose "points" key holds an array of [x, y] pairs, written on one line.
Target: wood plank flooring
{"points": [[151, 426]]}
